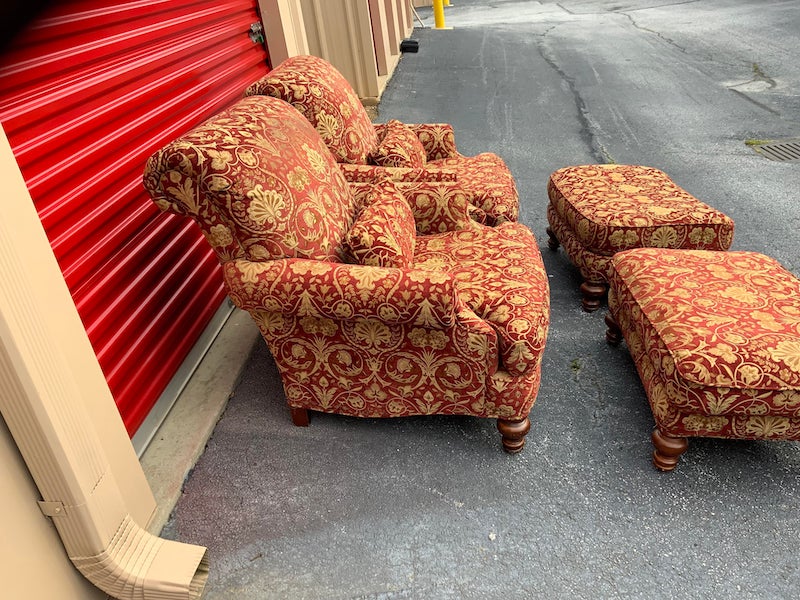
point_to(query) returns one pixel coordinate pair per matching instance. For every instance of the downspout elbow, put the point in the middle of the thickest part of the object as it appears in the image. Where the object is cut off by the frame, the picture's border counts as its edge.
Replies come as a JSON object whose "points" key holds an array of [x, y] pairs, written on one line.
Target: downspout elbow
{"points": [[137, 565]]}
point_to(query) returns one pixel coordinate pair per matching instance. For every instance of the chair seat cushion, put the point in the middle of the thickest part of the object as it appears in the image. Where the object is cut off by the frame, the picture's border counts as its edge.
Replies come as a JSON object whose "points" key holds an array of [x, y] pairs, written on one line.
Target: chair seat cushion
{"points": [[719, 330], [500, 277], [489, 178], [616, 207]]}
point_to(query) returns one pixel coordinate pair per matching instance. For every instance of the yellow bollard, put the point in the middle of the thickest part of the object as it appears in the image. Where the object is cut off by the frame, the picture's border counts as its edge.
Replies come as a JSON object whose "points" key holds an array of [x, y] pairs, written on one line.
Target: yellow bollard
{"points": [[447, 2], [438, 14]]}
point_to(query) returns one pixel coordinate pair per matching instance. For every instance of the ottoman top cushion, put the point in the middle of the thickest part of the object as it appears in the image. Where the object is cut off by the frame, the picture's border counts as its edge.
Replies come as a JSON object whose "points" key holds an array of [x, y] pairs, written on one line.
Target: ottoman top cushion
{"points": [[728, 319], [617, 207]]}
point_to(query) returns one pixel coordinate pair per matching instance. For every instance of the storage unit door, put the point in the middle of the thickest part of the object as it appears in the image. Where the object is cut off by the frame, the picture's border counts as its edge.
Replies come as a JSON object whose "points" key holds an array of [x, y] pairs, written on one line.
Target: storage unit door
{"points": [[88, 91]]}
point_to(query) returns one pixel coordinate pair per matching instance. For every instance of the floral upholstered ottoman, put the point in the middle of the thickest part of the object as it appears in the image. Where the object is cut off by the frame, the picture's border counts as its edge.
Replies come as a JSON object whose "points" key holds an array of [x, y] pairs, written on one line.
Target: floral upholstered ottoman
{"points": [[716, 341], [598, 210]]}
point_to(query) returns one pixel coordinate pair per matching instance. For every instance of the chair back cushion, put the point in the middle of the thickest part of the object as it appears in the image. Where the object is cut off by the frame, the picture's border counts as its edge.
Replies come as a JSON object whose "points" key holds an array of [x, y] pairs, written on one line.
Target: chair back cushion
{"points": [[266, 173], [315, 88]]}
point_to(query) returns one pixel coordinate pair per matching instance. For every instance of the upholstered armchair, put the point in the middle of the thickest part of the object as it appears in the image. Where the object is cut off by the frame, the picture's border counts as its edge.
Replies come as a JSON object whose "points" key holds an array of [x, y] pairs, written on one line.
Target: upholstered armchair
{"points": [[322, 94], [376, 300]]}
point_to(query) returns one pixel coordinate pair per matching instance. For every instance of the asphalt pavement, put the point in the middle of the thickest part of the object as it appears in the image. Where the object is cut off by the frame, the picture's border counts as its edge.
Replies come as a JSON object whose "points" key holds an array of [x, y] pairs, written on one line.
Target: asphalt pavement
{"points": [[431, 508]]}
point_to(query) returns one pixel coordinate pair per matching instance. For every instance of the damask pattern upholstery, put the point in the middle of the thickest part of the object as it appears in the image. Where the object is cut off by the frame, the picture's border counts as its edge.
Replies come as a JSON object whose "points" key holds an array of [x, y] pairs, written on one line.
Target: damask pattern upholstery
{"points": [[320, 92], [398, 146], [597, 210], [455, 325], [327, 100], [715, 337], [384, 233]]}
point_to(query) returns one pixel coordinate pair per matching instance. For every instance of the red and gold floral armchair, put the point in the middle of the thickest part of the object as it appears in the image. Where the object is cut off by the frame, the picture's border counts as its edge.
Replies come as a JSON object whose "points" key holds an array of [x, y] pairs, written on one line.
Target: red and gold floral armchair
{"points": [[376, 300], [422, 151]]}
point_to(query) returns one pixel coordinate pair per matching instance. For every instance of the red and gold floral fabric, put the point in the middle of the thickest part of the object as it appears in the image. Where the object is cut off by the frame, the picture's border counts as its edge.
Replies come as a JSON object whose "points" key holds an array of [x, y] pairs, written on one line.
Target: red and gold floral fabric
{"points": [[593, 267], [460, 329], [438, 207], [372, 173], [716, 340], [488, 177], [610, 208], [384, 233], [258, 178], [322, 94], [500, 277], [324, 97], [398, 146]]}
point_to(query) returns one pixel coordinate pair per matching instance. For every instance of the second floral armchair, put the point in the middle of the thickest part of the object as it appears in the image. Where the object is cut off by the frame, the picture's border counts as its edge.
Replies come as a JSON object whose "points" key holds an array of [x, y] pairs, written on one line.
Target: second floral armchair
{"points": [[424, 151]]}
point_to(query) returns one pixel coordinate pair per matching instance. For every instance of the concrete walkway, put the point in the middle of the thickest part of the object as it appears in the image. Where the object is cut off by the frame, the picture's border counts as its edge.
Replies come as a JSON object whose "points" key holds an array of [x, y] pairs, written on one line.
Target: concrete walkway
{"points": [[431, 508]]}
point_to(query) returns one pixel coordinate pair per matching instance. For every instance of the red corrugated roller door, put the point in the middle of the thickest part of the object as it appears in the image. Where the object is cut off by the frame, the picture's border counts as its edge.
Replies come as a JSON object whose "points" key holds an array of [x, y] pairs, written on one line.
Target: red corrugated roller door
{"points": [[87, 92]]}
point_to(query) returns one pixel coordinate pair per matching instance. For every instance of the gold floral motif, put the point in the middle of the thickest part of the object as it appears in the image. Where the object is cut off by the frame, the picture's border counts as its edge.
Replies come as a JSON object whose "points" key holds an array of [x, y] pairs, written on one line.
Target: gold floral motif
{"points": [[372, 332], [788, 351], [664, 237], [299, 179], [768, 426], [703, 423], [219, 235], [424, 338], [265, 205], [327, 126]]}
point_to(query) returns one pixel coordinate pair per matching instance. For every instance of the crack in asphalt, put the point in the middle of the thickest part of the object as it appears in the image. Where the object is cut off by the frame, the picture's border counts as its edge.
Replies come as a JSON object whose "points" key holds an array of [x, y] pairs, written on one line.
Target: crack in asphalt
{"points": [[589, 131]]}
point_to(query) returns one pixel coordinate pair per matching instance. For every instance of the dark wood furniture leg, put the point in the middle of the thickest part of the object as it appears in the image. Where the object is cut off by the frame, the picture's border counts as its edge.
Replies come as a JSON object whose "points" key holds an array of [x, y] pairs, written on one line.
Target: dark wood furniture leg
{"points": [[513, 433], [299, 416], [613, 333], [552, 240], [593, 293], [667, 450]]}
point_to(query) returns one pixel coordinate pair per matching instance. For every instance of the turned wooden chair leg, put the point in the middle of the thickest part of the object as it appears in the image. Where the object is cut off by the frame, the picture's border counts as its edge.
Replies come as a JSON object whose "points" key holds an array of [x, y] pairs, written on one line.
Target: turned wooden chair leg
{"points": [[552, 240], [613, 333], [667, 450], [513, 433], [299, 416], [593, 293]]}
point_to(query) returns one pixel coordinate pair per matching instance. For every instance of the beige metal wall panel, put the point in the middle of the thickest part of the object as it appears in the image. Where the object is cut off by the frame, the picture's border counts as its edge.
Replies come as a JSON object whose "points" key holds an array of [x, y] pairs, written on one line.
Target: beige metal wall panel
{"points": [[380, 33], [45, 402], [29, 545], [406, 17], [340, 31], [65, 330], [418, 3], [395, 31], [285, 29]]}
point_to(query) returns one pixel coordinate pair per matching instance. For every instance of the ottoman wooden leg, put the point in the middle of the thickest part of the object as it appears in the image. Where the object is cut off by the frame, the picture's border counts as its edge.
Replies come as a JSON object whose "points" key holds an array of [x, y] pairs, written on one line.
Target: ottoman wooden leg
{"points": [[613, 333], [667, 450], [552, 240], [593, 293], [513, 433]]}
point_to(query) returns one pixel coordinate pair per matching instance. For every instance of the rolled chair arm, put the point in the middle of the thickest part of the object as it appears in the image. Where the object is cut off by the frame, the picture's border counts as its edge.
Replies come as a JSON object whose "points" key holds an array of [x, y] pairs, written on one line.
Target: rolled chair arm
{"points": [[309, 288]]}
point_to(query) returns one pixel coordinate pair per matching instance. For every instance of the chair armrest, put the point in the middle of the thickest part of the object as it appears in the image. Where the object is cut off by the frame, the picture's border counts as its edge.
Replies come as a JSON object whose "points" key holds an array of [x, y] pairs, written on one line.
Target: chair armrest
{"points": [[310, 288], [372, 173]]}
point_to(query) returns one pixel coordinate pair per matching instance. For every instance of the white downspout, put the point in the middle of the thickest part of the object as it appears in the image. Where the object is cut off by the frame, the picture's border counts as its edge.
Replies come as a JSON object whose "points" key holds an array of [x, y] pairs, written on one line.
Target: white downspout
{"points": [[43, 407]]}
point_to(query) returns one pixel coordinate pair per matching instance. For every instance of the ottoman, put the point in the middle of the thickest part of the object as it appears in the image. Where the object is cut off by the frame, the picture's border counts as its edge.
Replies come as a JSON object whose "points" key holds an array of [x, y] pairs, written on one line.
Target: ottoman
{"points": [[715, 337], [597, 210]]}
